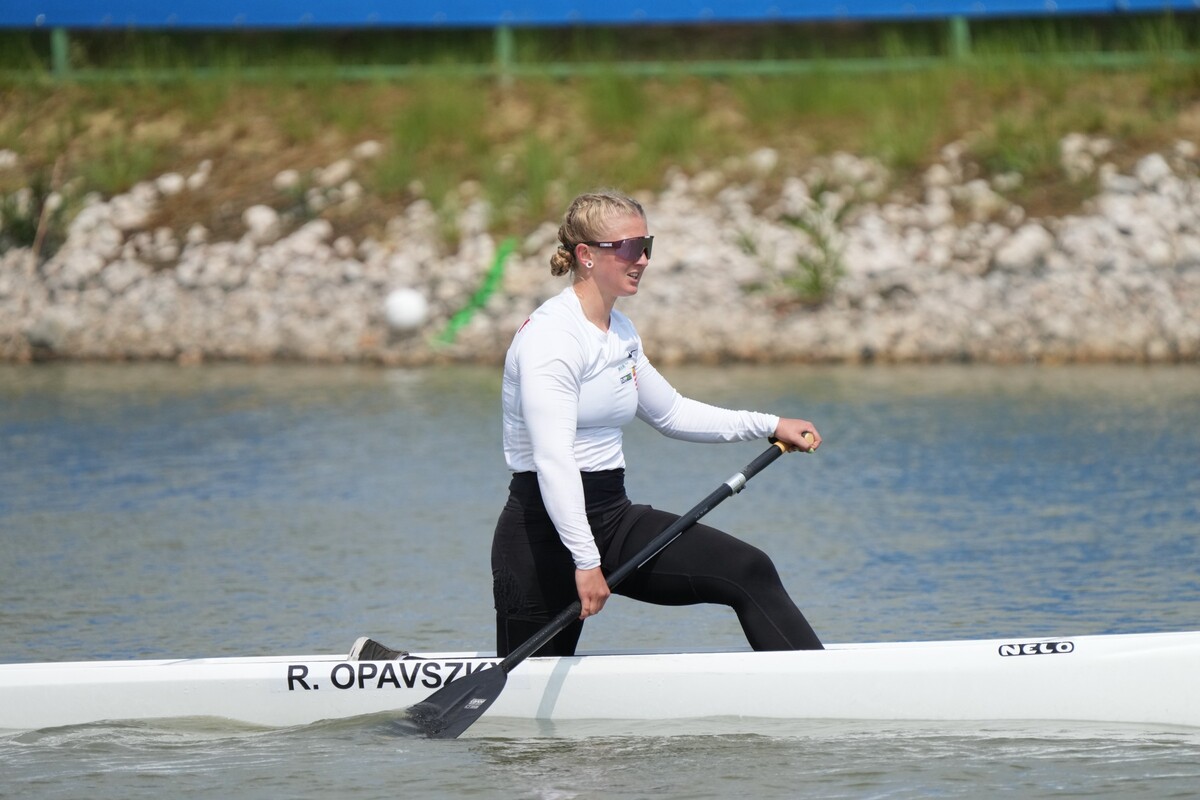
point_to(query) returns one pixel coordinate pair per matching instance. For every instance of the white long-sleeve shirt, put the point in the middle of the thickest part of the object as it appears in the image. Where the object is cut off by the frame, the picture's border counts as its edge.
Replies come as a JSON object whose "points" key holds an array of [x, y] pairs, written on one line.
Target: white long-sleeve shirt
{"points": [[568, 389]]}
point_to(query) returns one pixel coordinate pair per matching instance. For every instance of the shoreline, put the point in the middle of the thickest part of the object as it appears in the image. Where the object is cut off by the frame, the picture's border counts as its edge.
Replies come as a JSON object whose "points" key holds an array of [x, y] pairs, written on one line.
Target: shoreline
{"points": [[823, 266]]}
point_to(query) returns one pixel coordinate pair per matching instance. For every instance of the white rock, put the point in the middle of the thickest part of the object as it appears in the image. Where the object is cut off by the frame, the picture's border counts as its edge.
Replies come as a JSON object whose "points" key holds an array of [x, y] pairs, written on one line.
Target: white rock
{"points": [[52, 328], [351, 191], [1119, 209], [368, 150], [166, 247], [938, 214], [1113, 182], [1099, 146], [1072, 144], [197, 180], [129, 212], [314, 232], [1025, 249], [170, 184], [77, 268], [315, 199], [337, 172], [262, 223], [980, 200], [938, 175], [121, 275], [1074, 157], [1151, 169], [1007, 181], [287, 179], [1159, 253], [105, 241], [196, 234], [763, 161]]}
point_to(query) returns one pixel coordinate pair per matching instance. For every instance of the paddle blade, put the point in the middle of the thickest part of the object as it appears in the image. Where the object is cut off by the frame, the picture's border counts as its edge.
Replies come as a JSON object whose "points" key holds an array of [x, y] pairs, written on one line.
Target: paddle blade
{"points": [[449, 711]]}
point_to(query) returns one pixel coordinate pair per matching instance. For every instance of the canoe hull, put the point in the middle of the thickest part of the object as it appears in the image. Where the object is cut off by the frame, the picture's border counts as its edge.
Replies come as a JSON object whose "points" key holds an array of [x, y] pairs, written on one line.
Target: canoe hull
{"points": [[1145, 679]]}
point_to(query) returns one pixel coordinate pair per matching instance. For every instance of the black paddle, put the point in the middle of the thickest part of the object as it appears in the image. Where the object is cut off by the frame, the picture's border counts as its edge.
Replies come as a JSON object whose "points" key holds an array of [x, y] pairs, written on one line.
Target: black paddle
{"points": [[449, 711]]}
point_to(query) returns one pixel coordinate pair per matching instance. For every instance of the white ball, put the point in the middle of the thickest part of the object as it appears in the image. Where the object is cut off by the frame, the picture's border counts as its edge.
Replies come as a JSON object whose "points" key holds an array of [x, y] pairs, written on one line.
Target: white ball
{"points": [[406, 309]]}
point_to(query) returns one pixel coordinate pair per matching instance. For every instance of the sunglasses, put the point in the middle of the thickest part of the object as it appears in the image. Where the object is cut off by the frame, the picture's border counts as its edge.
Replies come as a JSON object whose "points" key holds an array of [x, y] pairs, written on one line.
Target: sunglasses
{"points": [[628, 249]]}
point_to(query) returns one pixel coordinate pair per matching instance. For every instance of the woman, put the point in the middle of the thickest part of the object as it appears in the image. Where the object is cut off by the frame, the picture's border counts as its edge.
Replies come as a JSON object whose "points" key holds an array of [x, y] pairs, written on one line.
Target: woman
{"points": [[574, 374]]}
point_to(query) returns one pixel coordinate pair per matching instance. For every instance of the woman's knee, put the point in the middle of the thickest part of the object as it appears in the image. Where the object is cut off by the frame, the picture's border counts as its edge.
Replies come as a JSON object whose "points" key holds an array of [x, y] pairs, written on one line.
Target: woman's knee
{"points": [[752, 567]]}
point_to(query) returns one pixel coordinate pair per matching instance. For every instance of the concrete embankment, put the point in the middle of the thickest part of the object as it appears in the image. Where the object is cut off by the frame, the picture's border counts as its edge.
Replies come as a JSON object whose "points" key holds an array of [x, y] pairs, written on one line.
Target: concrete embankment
{"points": [[825, 265]]}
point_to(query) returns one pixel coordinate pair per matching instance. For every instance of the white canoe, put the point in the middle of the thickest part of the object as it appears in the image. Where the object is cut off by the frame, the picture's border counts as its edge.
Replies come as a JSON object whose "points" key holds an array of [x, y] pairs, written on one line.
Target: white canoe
{"points": [[1143, 679]]}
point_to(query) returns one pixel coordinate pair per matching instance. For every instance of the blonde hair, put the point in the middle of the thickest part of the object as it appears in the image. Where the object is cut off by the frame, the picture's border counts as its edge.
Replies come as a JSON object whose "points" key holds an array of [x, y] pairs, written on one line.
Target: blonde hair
{"points": [[586, 220]]}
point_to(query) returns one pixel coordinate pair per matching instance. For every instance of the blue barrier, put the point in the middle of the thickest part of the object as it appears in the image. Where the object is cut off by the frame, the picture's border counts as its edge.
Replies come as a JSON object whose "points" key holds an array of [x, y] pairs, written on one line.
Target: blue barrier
{"points": [[502, 17], [224, 14]]}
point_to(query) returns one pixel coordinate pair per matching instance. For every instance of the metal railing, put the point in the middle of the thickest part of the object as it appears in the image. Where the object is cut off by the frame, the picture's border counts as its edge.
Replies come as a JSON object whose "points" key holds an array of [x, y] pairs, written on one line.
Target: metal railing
{"points": [[59, 18]]}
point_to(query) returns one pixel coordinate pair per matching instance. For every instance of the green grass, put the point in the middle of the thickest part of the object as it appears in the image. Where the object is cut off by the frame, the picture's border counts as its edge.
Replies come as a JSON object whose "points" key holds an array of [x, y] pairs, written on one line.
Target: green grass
{"points": [[531, 144], [440, 126]]}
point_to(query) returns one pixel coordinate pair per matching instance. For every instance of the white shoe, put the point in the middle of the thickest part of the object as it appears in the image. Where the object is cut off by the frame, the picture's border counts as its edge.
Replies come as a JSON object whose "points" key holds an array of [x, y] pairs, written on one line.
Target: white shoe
{"points": [[367, 649]]}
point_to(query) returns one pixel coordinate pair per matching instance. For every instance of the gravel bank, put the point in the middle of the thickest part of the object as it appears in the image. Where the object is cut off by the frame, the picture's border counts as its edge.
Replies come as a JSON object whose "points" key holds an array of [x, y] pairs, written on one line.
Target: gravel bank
{"points": [[825, 266]]}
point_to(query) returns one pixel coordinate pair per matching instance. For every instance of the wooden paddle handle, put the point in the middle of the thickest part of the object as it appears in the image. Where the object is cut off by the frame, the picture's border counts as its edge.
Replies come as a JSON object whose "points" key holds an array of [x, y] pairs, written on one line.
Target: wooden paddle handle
{"points": [[808, 437]]}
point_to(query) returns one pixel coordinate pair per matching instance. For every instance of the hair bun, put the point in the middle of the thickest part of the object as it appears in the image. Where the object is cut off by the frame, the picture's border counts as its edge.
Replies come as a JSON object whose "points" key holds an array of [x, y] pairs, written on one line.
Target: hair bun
{"points": [[561, 262]]}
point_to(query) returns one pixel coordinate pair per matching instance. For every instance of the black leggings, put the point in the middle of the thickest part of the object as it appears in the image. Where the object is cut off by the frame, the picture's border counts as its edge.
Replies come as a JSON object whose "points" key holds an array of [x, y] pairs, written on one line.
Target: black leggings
{"points": [[533, 575]]}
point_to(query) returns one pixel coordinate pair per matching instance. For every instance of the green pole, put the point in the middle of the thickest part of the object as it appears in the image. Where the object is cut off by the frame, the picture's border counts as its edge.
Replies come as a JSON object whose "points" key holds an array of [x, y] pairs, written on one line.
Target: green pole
{"points": [[960, 37], [504, 54], [60, 52]]}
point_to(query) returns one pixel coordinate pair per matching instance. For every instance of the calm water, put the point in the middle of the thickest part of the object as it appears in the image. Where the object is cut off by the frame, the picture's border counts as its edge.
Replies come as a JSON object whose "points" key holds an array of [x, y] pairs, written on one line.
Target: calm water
{"points": [[154, 511]]}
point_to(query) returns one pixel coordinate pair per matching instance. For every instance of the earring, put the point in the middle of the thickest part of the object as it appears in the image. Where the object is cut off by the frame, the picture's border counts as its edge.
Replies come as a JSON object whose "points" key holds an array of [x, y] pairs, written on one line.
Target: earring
{"points": [[587, 264]]}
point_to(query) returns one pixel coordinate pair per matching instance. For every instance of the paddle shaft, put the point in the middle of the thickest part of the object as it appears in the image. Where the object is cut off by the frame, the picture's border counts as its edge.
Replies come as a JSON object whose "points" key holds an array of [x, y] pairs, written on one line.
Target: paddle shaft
{"points": [[571, 612]]}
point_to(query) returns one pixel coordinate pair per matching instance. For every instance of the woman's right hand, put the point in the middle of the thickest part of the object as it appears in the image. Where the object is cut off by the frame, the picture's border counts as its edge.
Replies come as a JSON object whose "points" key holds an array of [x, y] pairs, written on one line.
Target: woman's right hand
{"points": [[593, 591], [798, 434]]}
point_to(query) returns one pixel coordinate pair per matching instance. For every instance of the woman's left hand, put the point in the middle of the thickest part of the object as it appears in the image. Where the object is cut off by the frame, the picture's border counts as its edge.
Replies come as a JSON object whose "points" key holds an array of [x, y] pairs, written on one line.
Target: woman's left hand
{"points": [[798, 434]]}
